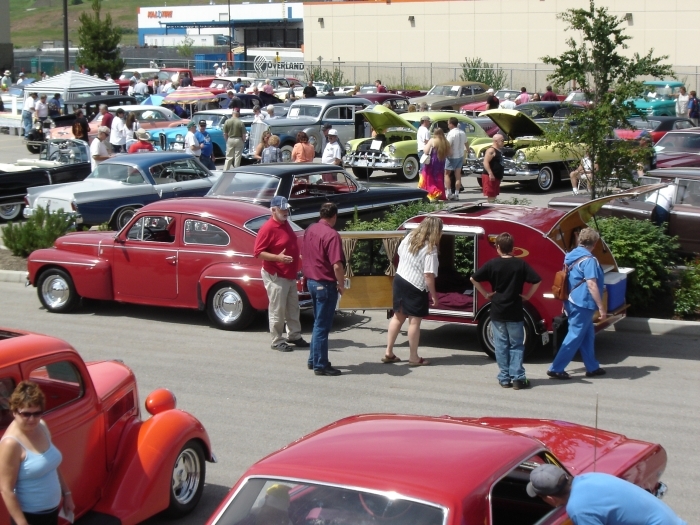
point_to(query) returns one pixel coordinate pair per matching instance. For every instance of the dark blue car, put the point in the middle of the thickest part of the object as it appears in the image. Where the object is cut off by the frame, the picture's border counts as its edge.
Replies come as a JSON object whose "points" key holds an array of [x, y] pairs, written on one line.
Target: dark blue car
{"points": [[122, 184]]}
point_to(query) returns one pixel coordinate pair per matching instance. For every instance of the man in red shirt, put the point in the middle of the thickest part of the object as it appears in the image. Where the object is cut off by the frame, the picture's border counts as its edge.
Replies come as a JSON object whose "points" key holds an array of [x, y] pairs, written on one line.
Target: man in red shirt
{"points": [[107, 117], [549, 95], [142, 144], [380, 87], [323, 264], [277, 246]]}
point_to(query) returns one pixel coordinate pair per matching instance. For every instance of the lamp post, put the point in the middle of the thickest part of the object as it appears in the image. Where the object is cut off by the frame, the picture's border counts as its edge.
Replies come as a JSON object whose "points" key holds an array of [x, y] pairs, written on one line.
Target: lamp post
{"points": [[66, 61], [230, 35]]}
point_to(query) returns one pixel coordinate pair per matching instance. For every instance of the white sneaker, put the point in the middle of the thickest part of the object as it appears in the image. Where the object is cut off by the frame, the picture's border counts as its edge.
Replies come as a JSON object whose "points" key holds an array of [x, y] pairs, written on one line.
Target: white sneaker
{"points": [[575, 191], [454, 197]]}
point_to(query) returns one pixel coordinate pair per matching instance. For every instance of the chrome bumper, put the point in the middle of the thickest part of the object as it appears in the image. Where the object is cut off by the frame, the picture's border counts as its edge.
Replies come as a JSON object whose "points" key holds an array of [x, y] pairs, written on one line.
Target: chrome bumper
{"points": [[372, 161], [511, 171], [27, 212]]}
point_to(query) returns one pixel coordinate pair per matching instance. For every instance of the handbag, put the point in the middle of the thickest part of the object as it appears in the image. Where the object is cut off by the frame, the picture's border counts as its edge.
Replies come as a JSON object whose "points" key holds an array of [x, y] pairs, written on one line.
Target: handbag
{"points": [[425, 158]]}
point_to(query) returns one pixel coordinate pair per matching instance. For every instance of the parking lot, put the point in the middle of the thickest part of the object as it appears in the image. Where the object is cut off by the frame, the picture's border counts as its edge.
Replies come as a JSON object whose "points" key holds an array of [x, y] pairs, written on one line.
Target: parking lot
{"points": [[253, 400]]}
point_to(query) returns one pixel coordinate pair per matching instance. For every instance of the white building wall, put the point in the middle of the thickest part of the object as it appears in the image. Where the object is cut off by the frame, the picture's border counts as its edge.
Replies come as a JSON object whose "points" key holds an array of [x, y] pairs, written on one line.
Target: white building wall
{"points": [[498, 31]]}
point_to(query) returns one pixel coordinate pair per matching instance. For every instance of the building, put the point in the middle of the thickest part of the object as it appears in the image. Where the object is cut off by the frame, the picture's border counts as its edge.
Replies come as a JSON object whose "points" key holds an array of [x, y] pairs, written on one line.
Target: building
{"points": [[425, 41], [277, 25]]}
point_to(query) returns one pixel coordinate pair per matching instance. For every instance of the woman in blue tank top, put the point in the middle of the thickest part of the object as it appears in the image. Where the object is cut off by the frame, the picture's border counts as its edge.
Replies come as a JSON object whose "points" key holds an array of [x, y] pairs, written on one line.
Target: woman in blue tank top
{"points": [[30, 482]]}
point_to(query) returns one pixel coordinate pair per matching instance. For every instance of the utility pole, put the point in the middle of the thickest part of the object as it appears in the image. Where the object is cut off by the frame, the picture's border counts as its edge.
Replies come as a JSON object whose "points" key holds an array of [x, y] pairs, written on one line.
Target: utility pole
{"points": [[66, 61]]}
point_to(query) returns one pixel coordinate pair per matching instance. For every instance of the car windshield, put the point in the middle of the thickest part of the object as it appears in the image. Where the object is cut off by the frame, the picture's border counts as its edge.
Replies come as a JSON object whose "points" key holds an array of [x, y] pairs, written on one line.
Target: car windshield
{"points": [[213, 121], [501, 93], [444, 90], [254, 225], [304, 110], [660, 92], [117, 172], [575, 97], [262, 501], [247, 185], [638, 123], [166, 75], [679, 142]]}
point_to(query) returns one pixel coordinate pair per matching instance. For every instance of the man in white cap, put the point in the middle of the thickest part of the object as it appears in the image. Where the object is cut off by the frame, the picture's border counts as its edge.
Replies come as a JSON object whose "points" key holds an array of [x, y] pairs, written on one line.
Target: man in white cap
{"points": [[332, 154], [599, 499], [98, 148], [507, 103], [6, 80], [492, 101], [192, 145], [218, 69], [277, 246], [21, 79]]}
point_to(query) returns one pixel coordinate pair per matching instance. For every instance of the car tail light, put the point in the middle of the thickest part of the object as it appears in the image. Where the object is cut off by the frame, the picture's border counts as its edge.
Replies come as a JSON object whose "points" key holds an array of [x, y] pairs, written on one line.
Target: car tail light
{"points": [[160, 400], [26, 200], [74, 206]]}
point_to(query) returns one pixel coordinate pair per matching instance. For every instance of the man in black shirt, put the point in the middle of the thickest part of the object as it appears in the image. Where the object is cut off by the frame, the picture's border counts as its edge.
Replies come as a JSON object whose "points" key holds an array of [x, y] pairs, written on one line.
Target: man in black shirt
{"points": [[310, 90], [492, 101], [507, 275]]}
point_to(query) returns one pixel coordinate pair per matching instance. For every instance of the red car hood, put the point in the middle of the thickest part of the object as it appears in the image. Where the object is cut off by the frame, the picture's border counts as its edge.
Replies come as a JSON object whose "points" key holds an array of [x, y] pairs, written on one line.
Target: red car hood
{"points": [[677, 160]]}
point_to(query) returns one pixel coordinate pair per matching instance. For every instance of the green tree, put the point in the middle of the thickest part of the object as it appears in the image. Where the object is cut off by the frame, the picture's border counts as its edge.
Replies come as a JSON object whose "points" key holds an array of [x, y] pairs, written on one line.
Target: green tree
{"points": [[99, 43], [477, 70], [610, 81], [186, 48]]}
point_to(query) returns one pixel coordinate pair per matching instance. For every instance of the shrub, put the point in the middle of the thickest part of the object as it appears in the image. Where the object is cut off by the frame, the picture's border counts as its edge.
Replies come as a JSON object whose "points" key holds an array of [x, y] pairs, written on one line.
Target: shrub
{"points": [[39, 231], [393, 218], [646, 248], [687, 296], [335, 77], [477, 70], [515, 201]]}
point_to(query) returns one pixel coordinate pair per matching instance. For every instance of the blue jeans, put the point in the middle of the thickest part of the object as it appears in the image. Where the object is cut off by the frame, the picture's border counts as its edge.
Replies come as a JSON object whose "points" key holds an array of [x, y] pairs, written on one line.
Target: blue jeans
{"points": [[581, 336], [508, 339], [324, 296], [26, 122]]}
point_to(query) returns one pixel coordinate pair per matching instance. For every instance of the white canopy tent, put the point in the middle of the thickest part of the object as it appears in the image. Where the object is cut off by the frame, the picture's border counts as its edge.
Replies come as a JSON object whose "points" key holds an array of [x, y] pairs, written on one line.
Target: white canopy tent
{"points": [[72, 84]]}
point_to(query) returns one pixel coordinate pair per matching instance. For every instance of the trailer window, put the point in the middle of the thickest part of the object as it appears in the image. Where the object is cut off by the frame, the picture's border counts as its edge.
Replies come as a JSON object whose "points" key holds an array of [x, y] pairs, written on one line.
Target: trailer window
{"points": [[456, 256]]}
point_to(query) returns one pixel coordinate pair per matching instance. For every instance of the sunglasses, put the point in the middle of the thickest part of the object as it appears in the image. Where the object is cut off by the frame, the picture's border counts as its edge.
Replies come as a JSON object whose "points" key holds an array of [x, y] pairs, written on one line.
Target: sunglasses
{"points": [[27, 415]]}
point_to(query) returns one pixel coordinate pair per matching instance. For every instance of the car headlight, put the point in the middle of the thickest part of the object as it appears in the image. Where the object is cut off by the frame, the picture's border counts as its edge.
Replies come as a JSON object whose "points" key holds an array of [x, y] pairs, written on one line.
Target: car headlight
{"points": [[392, 149], [519, 157], [348, 147], [37, 125], [471, 154], [179, 138]]}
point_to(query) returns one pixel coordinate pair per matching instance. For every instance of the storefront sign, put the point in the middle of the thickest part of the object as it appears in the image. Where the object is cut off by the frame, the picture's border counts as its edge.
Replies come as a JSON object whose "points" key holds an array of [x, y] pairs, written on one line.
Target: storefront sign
{"points": [[262, 64], [160, 14]]}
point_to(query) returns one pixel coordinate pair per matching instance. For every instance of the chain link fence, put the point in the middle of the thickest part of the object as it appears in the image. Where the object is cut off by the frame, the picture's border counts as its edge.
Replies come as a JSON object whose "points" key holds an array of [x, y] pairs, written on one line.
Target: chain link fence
{"points": [[405, 75]]}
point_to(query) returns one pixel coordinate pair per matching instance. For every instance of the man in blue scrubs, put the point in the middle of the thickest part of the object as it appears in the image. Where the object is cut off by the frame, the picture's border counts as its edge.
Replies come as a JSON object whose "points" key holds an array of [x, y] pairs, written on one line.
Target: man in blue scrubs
{"points": [[599, 499]]}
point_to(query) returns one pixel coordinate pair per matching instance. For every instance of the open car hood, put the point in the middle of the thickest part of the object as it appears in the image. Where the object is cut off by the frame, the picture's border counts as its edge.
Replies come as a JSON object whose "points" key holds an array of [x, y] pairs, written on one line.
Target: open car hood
{"points": [[561, 232], [513, 123], [382, 118]]}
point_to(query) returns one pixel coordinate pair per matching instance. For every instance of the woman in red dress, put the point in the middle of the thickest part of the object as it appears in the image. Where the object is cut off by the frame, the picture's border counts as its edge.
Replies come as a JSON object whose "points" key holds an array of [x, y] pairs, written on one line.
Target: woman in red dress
{"points": [[493, 169], [432, 175]]}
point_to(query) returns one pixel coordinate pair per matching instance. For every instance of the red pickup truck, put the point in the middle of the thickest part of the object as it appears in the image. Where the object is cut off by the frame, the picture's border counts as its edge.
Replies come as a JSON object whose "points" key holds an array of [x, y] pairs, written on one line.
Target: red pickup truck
{"points": [[199, 81]]}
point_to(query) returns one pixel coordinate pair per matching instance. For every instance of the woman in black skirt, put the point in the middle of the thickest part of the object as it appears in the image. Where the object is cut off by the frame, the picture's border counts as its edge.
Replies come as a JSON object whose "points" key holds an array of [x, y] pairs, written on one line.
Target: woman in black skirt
{"points": [[414, 286]]}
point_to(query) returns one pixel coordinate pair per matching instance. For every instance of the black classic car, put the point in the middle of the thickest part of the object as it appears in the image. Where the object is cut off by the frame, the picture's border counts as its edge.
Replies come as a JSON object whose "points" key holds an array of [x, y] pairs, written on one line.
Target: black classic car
{"points": [[680, 194], [307, 186], [60, 161]]}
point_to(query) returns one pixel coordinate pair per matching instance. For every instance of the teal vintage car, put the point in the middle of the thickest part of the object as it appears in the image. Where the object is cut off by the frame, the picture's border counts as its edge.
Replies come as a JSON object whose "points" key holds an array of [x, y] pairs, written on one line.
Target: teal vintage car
{"points": [[395, 148], [659, 98]]}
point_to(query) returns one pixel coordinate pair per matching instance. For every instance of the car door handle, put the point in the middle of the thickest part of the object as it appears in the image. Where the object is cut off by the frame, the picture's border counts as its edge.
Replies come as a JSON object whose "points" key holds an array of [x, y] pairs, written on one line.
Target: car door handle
{"points": [[179, 188], [172, 259]]}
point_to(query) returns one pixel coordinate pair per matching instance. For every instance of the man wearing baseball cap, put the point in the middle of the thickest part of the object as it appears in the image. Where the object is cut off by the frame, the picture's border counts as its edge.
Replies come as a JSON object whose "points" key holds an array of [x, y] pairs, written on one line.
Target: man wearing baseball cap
{"points": [[332, 154], [599, 499], [423, 135], [492, 101], [192, 145], [276, 244], [207, 151]]}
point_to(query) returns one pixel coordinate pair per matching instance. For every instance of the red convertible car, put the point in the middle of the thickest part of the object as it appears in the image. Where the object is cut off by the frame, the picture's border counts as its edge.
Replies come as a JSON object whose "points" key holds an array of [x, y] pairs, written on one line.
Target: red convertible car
{"points": [[188, 253], [417, 470], [120, 468], [679, 149]]}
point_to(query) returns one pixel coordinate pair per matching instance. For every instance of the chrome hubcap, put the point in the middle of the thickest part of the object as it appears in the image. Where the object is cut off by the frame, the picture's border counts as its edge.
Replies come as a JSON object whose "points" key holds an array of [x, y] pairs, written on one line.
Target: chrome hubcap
{"points": [[410, 169], [55, 291], [228, 305], [545, 178], [9, 211], [286, 155], [186, 476]]}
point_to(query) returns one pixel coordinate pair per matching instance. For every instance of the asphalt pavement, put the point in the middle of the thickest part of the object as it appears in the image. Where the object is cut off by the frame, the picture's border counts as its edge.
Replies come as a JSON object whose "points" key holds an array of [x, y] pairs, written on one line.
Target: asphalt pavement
{"points": [[253, 400]]}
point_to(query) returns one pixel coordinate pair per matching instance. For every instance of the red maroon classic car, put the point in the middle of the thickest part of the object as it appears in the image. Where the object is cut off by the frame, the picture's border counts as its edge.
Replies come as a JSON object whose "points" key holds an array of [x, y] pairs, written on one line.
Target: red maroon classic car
{"points": [[416, 470], [542, 237], [679, 149], [188, 253], [120, 469]]}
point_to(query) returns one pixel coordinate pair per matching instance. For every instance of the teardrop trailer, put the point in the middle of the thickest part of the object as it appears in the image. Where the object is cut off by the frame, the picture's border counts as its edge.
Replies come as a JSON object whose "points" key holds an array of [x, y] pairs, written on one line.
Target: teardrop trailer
{"points": [[542, 236]]}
